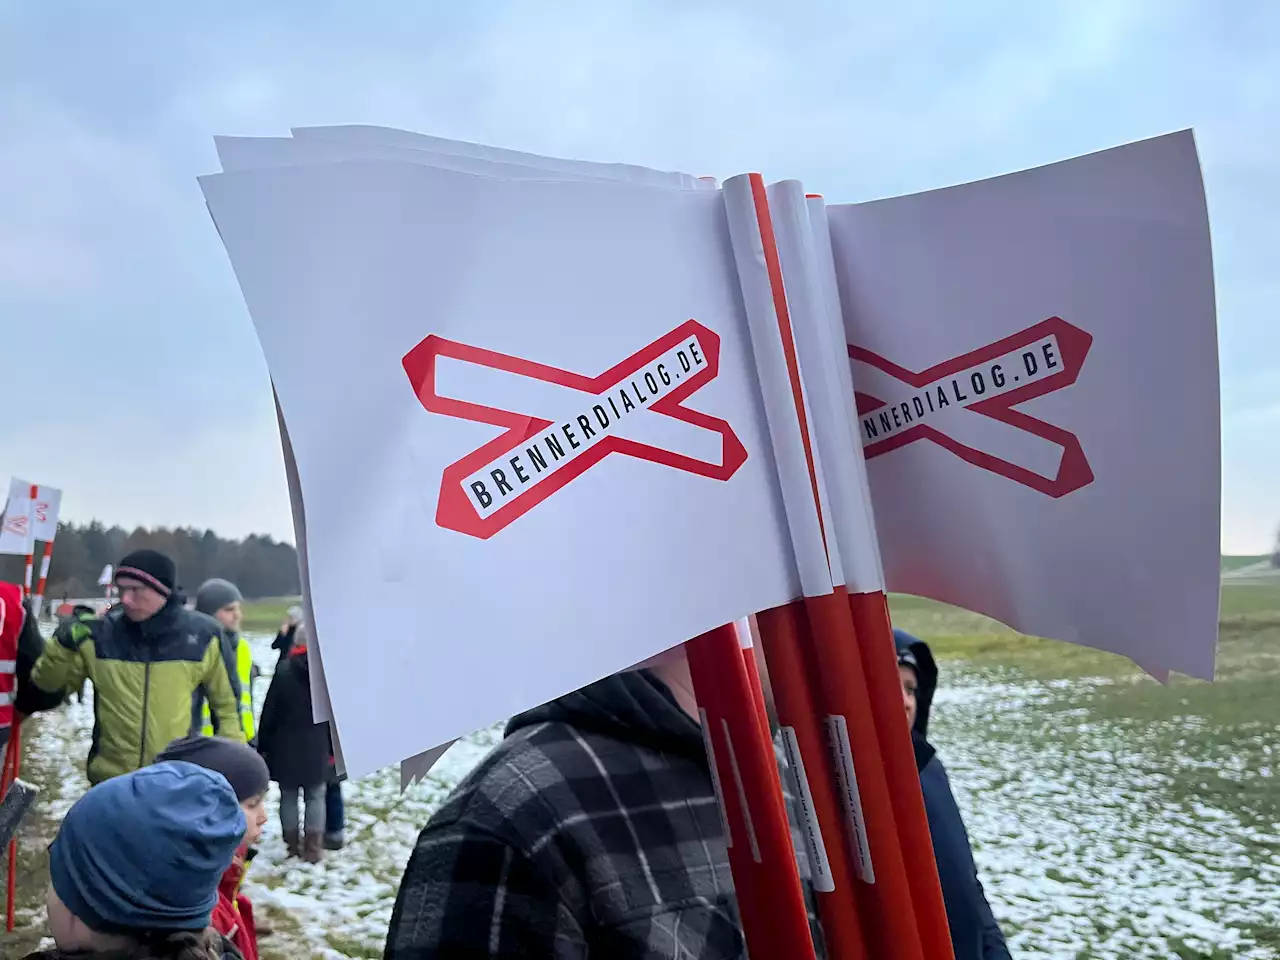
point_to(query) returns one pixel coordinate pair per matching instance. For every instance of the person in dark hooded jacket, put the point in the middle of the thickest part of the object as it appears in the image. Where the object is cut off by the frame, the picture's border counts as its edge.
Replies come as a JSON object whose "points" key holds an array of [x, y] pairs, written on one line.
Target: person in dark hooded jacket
{"points": [[975, 934], [297, 751], [591, 830]]}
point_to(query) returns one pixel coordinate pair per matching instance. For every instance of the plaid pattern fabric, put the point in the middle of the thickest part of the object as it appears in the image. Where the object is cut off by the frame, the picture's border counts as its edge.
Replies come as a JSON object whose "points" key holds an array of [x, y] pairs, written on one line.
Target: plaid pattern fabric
{"points": [[570, 841]]}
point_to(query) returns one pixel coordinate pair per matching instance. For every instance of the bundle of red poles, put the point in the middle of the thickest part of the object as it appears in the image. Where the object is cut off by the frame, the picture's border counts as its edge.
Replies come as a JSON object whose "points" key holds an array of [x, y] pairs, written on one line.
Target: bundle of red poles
{"points": [[10, 772], [840, 714], [842, 722]]}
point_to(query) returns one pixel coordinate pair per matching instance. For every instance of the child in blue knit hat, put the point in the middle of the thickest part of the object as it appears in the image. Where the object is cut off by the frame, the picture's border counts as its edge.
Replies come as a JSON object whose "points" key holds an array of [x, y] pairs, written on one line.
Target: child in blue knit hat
{"points": [[135, 867]]}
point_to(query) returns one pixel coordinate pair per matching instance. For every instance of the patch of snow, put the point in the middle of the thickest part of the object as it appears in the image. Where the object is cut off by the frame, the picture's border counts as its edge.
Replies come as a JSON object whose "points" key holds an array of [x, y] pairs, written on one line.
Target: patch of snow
{"points": [[1081, 849]]}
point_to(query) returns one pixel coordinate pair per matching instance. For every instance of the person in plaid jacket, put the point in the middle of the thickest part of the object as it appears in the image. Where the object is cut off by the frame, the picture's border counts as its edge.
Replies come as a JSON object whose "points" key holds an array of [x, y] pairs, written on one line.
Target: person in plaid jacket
{"points": [[592, 830]]}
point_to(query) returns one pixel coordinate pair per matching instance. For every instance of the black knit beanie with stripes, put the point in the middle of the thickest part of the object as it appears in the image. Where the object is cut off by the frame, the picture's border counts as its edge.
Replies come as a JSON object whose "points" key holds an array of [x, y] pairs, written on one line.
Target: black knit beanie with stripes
{"points": [[150, 567]]}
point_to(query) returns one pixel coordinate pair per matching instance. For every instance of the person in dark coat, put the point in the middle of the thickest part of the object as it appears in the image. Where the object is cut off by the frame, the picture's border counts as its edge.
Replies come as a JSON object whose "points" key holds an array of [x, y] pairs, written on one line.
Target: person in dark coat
{"points": [[975, 934], [591, 830], [297, 751], [335, 819]]}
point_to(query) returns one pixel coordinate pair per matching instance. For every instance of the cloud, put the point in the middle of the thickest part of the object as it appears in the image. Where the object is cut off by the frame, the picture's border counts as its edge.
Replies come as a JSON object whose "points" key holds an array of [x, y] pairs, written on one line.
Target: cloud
{"points": [[55, 241], [147, 357], [229, 476]]}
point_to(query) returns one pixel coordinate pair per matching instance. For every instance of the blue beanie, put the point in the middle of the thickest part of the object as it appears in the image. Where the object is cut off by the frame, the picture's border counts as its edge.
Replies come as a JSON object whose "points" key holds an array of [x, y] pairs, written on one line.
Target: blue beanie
{"points": [[145, 851]]}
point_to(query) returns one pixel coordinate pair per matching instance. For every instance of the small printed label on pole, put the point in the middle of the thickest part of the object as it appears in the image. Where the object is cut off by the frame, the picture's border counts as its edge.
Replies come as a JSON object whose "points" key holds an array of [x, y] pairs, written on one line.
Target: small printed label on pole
{"points": [[819, 863], [847, 784], [742, 792], [715, 778]]}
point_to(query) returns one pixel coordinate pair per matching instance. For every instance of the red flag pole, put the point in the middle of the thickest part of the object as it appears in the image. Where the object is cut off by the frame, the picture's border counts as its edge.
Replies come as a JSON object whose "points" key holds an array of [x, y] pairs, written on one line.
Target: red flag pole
{"points": [[784, 641], [783, 633], [12, 768], [870, 613], [31, 549], [744, 773], [843, 695], [861, 780], [757, 687], [44, 577]]}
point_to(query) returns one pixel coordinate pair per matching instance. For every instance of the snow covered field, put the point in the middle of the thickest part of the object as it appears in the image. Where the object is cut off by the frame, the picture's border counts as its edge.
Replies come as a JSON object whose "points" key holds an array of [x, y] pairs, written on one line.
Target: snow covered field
{"points": [[1085, 850]]}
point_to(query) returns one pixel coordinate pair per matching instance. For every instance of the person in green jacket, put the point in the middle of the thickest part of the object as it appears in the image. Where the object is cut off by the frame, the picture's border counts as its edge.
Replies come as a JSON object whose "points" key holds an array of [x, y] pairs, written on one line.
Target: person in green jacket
{"points": [[222, 600], [145, 659]]}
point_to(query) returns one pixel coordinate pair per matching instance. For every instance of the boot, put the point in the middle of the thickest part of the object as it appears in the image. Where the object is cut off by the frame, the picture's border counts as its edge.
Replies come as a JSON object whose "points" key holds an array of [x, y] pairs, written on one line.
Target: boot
{"points": [[313, 847], [334, 841], [293, 842]]}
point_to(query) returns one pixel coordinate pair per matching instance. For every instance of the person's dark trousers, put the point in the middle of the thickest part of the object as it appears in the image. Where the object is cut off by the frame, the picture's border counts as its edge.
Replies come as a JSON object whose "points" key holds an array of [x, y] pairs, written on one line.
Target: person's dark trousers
{"points": [[335, 817]]}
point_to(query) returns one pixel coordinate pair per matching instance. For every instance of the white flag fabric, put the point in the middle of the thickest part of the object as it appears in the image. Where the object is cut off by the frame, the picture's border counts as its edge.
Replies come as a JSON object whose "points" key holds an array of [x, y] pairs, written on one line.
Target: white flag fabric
{"points": [[389, 137], [333, 144], [27, 521], [1036, 362], [554, 409], [540, 396]]}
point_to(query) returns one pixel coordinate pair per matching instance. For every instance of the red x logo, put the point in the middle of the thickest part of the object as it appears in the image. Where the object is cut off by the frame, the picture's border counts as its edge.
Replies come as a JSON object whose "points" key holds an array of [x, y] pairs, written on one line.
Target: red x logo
{"points": [[17, 524], [897, 406], [539, 454]]}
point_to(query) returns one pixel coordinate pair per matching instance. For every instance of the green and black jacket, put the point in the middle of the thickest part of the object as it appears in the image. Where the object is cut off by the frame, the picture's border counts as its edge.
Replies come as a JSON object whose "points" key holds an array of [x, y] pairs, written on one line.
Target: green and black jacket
{"points": [[144, 676]]}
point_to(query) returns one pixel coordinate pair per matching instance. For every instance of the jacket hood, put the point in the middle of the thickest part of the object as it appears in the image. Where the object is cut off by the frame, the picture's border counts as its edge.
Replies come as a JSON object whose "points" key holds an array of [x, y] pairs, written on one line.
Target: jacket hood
{"points": [[927, 668], [634, 707]]}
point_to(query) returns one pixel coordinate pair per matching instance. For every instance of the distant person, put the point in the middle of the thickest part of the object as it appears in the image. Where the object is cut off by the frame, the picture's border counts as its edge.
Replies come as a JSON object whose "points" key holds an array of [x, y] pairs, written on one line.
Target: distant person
{"points": [[222, 600], [246, 771], [134, 869], [975, 934], [297, 751], [20, 649], [284, 638], [145, 658], [335, 814]]}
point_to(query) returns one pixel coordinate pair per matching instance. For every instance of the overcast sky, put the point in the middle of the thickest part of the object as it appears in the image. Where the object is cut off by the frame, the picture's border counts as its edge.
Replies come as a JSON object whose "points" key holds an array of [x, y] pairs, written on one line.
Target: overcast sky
{"points": [[147, 398]]}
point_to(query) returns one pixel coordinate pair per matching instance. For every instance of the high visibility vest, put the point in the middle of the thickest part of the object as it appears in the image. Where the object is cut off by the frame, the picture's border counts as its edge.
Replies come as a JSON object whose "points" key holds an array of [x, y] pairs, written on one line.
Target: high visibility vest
{"points": [[12, 617], [244, 670]]}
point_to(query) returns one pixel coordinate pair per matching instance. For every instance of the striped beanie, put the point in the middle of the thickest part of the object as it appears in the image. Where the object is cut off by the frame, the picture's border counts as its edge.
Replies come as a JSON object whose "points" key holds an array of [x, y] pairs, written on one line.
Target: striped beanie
{"points": [[151, 568]]}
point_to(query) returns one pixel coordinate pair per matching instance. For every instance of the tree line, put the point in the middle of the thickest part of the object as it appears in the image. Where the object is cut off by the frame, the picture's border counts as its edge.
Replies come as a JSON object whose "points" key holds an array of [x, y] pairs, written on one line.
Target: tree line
{"points": [[259, 565]]}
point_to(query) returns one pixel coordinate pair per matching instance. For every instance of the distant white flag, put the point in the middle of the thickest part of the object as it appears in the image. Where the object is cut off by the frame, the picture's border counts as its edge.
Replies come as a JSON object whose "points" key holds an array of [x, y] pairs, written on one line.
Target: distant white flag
{"points": [[27, 520]]}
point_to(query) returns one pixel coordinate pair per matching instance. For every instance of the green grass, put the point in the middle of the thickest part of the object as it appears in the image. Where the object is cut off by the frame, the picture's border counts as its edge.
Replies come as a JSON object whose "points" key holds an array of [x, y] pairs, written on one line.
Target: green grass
{"points": [[1249, 640], [265, 616], [1235, 563], [285, 939], [1225, 729], [1221, 734]]}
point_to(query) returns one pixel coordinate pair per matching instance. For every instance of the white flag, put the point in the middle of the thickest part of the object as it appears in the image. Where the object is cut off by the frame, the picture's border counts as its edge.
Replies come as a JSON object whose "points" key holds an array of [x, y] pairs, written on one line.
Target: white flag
{"points": [[27, 520], [543, 394], [1036, 363], [320, 145]]}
